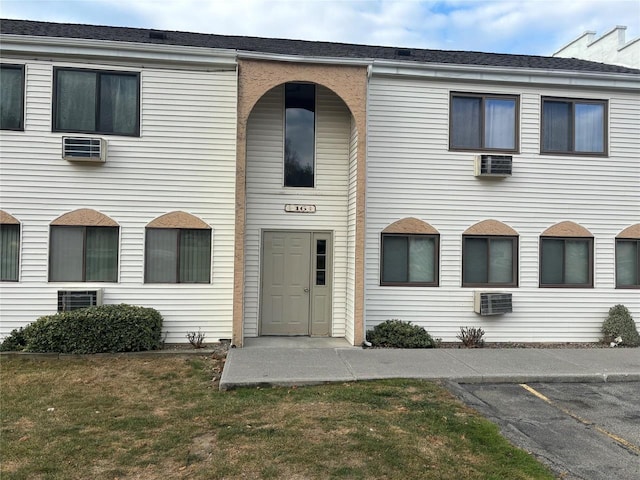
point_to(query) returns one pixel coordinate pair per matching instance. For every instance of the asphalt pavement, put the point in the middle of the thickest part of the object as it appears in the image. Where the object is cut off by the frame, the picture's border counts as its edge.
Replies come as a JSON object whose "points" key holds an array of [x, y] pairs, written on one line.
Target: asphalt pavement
{"points": [[582, 431]]}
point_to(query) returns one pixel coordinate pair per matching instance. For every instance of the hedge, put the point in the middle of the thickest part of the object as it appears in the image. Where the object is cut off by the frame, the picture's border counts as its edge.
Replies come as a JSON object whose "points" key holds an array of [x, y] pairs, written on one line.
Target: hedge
{"points": [[104, 328]]}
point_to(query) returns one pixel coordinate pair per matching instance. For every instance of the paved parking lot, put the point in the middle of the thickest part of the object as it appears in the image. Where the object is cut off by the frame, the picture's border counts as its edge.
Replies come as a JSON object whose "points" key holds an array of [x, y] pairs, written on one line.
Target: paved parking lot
{"points": [[587, 431]]}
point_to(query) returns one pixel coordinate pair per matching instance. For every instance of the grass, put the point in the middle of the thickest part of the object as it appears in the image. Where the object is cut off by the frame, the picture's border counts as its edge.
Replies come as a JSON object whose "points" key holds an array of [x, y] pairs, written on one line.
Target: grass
{"points": [[160, 417]]}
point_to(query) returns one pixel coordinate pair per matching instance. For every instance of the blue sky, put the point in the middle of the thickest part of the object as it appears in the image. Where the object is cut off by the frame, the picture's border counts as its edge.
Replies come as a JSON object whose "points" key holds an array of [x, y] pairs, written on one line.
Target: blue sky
{"points": [[535, 27]]}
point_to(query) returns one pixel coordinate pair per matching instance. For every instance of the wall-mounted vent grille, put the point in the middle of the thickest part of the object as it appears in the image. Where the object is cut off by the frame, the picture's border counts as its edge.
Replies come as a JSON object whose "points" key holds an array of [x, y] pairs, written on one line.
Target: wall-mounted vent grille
{"points": [[493, 165], [74, 299], [486, 303], [84, 149]]}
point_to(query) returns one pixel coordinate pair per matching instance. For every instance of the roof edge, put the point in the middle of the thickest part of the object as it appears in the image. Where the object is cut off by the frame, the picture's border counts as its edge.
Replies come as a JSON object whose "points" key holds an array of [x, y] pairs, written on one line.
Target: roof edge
{"points": [[75, 47]]}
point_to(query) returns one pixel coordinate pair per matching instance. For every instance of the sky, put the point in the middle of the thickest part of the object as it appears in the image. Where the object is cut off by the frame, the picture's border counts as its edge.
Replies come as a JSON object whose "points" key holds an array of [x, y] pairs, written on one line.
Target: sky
{"points": [[532, 27]]}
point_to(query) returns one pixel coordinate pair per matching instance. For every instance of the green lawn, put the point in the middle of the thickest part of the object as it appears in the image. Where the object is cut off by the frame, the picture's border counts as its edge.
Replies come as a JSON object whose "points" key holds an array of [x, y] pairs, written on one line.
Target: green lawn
{"points": [[160, 417]]}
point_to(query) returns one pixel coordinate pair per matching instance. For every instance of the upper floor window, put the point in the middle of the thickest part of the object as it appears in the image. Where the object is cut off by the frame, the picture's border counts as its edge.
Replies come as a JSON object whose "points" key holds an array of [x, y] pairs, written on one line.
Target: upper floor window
{"points": [[483, 122], [9, 247], [574, 126], [628, 257], [410, 251], [12, 97], [83, 248], [299, 134], [96, 101], [178, 250]]}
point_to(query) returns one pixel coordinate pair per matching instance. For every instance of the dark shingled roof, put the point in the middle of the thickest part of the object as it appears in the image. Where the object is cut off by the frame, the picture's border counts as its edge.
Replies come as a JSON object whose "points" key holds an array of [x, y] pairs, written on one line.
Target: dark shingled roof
{"points": [[302, 47]]}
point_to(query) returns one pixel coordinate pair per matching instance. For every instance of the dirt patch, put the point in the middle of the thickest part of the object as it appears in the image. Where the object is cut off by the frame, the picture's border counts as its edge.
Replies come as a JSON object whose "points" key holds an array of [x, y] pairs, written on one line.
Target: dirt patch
{"points": [[203, 446]]}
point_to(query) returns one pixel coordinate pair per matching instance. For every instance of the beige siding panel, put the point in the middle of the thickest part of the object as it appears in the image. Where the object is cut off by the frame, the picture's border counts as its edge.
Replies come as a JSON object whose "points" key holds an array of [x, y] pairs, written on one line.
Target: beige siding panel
{"points": [[412, 173], [266, 197], [184, 160]]}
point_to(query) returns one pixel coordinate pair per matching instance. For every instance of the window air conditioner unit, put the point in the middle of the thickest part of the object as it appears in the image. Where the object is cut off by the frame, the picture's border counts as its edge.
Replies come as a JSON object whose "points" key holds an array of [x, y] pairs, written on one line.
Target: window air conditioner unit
{"points": [[84, 149], [486, 303], [74, 299], [493, 165]]}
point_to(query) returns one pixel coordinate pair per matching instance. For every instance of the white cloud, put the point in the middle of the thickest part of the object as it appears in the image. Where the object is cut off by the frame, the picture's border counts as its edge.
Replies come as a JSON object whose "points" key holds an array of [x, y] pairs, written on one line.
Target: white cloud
{"points": [[527, 26]]}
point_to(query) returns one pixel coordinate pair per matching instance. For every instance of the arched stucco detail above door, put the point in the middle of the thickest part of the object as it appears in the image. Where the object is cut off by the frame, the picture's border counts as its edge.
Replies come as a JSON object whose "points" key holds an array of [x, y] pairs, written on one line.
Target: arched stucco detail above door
{"points": [[257, 77]]}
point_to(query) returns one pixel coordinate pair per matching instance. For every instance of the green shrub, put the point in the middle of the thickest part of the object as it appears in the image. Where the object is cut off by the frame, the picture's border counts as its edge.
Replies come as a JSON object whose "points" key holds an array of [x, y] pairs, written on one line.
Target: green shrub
{"points": [[619, 323], [400, 334], [15, 342], [105, 328]]}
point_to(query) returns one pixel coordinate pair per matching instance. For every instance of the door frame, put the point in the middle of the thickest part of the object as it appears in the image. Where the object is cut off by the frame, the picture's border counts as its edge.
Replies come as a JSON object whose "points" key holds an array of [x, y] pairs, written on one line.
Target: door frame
{"points": [[312, 272]]}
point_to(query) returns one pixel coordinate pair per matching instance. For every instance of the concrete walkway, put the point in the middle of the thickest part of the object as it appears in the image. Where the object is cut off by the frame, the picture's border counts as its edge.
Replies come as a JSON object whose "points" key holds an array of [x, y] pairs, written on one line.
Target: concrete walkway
{"points": [[308, 361]]}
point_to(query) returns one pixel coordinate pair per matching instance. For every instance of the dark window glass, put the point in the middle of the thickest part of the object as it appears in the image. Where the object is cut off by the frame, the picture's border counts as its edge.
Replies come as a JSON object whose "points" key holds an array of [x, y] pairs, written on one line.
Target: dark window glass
{"points": [[628, 263], [83, 254], [409, 260], [9, 251], [321, 262], [482, 122], [299, 141], [489, 261], [96, 102], [175, 255], [566, 262], [11, 97], [573, 126]]}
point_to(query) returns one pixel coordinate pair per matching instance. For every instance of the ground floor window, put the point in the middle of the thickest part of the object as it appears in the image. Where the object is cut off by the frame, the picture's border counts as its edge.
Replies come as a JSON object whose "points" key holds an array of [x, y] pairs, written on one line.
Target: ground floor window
{"points": [[409, 260], [489, 261], [628, 263], [566, 262], [9, 251], [83, 254], [176, 255]]}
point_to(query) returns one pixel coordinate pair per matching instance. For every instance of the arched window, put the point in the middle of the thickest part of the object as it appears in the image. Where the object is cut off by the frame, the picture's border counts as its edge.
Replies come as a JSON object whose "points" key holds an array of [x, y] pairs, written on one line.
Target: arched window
{"points": [[628, 257], [410, 254], [83, 247], [9, 247], [178, 250], [490, 255], [566, 256]]}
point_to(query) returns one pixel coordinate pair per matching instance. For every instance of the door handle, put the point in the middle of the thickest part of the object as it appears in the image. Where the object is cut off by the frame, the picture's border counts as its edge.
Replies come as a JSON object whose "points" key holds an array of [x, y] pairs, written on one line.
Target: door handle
{"points": [[306, 290]]}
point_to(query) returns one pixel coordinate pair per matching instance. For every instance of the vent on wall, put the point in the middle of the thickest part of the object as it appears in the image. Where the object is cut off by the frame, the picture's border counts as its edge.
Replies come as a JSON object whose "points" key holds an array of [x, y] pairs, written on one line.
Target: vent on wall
{"points": [[493, 165], [486, 303], [74, 299], [84, 149]]}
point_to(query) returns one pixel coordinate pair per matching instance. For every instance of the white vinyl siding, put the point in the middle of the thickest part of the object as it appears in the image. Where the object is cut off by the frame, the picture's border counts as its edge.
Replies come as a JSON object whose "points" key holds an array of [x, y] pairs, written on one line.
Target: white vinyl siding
{"points": [[266, 196], [412, 173], [351, 232], [183, 160]]}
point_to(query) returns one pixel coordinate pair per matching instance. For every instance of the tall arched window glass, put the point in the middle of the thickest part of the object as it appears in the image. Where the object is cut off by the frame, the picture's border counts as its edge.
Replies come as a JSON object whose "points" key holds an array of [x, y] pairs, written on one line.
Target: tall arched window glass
{"points": [[299, 136]]}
